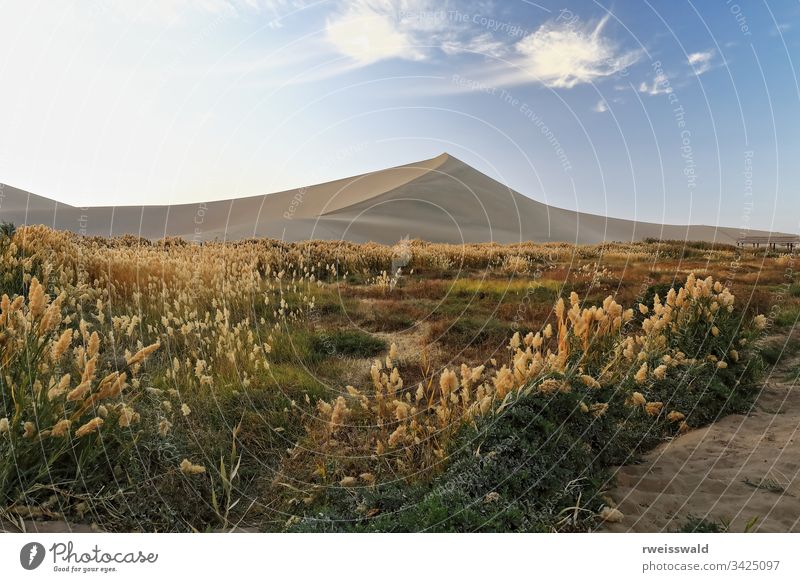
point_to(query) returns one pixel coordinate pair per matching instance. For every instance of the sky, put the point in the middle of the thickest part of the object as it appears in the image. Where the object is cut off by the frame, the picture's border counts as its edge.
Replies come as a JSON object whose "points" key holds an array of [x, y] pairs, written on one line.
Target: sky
{"points": [[666, 111]]}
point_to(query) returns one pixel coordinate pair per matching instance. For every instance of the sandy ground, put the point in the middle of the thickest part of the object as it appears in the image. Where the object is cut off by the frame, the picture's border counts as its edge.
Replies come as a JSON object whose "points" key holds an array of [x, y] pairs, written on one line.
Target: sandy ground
{"points": [[736, 470]]}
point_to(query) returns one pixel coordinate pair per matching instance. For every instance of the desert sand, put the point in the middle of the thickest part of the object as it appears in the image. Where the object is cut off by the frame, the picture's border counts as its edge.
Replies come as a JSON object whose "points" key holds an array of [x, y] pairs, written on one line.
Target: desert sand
{"points": [[440, 200], [728, 472]]}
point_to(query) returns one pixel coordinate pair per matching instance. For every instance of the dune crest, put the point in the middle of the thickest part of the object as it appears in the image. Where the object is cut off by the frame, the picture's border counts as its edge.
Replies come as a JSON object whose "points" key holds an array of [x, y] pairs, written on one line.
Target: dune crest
{"points": [[441, 199]]}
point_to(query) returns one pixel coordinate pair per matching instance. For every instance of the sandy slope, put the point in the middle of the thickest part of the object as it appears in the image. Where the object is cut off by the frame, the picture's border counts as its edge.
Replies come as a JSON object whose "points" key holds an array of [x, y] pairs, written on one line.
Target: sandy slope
{"points": [[703, 473], [440, 200]]}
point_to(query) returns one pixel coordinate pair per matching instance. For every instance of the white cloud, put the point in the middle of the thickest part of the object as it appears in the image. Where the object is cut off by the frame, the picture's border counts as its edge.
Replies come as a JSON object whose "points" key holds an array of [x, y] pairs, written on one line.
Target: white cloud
{"points": [[566, 55], [558, 55], [701, 62], [659, 86], [368, 31], [601, 106], [371, 30]]}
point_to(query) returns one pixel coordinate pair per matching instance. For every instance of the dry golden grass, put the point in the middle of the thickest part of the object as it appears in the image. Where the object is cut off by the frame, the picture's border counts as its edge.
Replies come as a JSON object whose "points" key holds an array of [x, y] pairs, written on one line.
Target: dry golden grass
{"points": [[111, 343], [391, 428]]}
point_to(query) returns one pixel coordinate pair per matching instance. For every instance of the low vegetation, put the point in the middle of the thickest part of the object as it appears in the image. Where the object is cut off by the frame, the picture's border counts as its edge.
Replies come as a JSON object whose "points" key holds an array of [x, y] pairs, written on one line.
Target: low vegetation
{"points": [[165, 386]]}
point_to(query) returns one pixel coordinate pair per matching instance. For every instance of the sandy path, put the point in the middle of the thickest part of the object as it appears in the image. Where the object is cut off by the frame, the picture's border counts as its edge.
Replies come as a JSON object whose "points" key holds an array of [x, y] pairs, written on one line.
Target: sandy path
{"points": [[705, 473]]}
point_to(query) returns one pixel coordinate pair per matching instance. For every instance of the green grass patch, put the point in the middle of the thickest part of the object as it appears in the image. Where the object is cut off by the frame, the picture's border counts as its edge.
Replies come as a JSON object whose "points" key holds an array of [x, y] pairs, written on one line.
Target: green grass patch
{"points": [[498, 288], [468, 331], [309, 348], [296, 347], [294, 381], [350, 343], [788, 316], [329, 302]]}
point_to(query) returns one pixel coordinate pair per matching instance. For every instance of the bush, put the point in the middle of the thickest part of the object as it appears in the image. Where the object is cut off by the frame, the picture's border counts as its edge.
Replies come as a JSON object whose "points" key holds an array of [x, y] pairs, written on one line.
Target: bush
{"points": [[535, 445], [7, 230], [530, 466], [11, 272], [512, 472]]}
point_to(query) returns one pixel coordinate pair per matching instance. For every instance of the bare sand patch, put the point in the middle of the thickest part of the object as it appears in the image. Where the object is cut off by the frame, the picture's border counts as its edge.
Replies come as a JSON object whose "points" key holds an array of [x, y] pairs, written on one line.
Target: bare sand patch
{"points": [[739, 469]]}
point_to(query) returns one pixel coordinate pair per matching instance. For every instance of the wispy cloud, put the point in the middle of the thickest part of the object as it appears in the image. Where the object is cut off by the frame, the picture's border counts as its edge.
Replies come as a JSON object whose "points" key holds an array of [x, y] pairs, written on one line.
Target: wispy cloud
{"points": [[483, 44], [600, 107], [702, 62], [563, 55], [659, 86], [560, 55]]}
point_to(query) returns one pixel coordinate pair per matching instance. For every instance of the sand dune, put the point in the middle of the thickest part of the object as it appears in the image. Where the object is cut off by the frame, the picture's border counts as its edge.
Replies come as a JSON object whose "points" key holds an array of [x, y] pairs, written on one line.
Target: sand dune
{"points": [[440, 200]]}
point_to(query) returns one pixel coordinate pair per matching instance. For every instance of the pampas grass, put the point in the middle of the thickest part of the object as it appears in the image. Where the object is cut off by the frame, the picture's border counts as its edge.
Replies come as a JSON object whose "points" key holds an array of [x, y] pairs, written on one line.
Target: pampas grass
{"points": [[106, 344]]}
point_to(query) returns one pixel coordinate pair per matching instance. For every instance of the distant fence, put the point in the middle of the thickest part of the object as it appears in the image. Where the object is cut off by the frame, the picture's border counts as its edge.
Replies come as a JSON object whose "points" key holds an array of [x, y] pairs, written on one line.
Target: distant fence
{"points": [[772, 241]]}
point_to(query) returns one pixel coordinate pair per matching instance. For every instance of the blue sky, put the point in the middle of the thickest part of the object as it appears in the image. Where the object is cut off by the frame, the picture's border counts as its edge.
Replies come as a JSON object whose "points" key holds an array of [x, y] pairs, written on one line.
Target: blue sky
{"points": [[666, 111]]}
